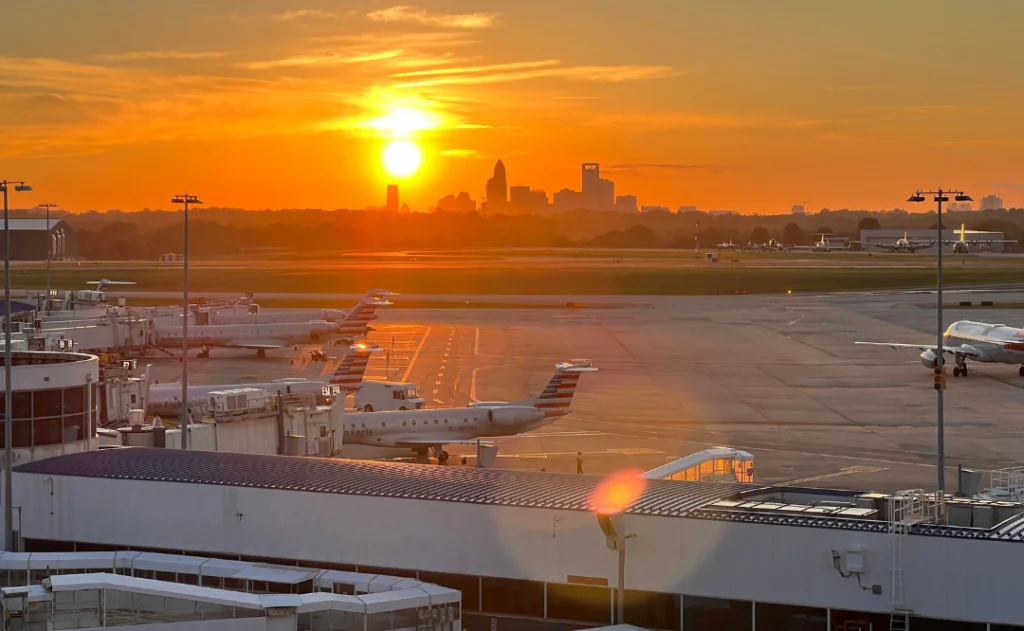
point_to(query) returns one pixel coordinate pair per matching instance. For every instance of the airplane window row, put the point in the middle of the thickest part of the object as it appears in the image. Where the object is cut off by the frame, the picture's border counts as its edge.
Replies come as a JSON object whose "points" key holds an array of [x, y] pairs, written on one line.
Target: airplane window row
{"points": [[405, 423]]}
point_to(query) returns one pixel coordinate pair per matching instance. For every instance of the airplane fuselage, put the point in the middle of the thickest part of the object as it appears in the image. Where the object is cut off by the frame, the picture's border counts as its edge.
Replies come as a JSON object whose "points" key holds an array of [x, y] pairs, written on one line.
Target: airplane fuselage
{"points": [[245, 335], [994, 344], [440, 426]]}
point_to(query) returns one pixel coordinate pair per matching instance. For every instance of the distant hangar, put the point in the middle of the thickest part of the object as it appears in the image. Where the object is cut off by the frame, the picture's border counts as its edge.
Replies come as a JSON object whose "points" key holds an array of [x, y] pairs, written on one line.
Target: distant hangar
{"points": [[29, 238]]}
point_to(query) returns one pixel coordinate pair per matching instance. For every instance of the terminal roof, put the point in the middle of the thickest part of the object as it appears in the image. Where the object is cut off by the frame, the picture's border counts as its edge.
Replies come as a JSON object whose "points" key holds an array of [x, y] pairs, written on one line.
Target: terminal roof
{"points": [[671, 498]]}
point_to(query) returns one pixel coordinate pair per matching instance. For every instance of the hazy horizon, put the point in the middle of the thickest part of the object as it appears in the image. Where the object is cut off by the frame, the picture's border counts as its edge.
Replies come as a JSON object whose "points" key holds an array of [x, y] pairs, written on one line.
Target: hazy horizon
{"points": [[263, 104]]}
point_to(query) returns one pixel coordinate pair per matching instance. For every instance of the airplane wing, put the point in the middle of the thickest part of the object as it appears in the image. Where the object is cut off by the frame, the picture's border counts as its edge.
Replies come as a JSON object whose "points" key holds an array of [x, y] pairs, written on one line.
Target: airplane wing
{"points": [[248, 346], [426, 442], [961, 350]]}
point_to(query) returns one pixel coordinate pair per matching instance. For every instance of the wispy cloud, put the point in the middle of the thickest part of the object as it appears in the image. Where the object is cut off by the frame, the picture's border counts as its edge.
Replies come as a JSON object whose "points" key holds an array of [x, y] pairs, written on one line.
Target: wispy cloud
{"points": [[657, 169], [460, 153], [670, 120], [416, 15], [474, 126], [608, 74], [146, 55], [521, 65], [303, 13], [981, 142], [328, 59]]}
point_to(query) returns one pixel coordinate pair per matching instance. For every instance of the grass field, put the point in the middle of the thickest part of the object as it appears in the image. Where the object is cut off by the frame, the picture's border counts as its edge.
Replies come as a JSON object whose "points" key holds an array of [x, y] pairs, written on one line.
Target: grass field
{"points": [[549, 280]]}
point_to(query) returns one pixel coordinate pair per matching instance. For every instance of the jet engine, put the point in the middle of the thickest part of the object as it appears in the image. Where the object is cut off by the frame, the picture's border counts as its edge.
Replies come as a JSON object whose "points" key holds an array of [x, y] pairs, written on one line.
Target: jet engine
{"points": [[514, 414], [930, 359]]}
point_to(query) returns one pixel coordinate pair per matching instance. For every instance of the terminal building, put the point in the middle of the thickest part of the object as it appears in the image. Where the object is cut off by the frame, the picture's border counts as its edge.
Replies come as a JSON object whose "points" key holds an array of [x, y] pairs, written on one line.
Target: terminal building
{"points": [[526, 550], [30, 239]]}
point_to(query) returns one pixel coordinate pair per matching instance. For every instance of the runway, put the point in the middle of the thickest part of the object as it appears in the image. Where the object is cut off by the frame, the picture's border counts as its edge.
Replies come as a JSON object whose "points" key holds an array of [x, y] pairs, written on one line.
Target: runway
{"points": [[778, 376]]}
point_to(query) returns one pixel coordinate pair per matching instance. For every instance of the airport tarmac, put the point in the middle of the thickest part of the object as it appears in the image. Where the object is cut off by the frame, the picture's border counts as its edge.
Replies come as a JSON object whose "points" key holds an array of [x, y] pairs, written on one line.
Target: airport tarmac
{"points": [[778, 376]]}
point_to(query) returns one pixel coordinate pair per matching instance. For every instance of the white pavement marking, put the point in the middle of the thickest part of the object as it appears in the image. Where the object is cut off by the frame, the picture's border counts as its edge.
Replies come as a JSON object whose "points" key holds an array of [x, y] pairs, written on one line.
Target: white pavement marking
{"points": [[434, 392], [415, 356], [841, 472]]}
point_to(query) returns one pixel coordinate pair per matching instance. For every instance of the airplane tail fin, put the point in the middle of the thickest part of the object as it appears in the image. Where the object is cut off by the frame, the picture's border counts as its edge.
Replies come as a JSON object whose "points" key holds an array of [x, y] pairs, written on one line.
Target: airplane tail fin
{"points": [[349, 375], [963, 232], [356, 322], [556, 397]]}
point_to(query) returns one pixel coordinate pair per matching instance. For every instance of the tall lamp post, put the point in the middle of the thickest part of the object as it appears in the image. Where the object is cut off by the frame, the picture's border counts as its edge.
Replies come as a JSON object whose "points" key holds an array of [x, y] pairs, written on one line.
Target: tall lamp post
{"points": [[49, 250], [941, 196], [186, 200], [19, 187]]}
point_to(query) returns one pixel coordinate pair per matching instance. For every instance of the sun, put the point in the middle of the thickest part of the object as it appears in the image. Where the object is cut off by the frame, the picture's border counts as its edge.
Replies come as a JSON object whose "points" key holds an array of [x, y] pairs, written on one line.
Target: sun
{"points": [[402, 158]]}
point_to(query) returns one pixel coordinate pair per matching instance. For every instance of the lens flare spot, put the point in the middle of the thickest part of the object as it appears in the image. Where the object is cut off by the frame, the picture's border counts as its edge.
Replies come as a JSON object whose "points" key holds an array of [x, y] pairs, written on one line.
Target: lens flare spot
{"points": [[618, 492]]}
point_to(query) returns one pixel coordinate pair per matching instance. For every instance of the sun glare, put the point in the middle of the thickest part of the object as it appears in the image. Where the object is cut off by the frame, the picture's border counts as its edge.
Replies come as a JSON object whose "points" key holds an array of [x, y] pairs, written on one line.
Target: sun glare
{"points": [[402, 158], [402, 121]]}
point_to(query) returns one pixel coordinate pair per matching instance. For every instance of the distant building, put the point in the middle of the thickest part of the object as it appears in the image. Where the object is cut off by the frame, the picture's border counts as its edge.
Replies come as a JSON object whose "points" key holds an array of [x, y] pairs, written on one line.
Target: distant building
{"points": [[497, 189], [627, 204], [523, 199], [567, 199], [722, 213], [405, 209], [171, 257], [687, 209], [651, 209], [598, 193], [992, 202], [798, 210], [461, 204], [392, 198], [32, 238], [959, 206]]}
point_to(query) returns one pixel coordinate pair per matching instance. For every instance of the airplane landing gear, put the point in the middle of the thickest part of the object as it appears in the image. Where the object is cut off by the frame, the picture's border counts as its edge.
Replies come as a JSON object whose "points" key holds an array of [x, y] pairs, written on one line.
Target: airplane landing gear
{"points": [[960, 370], [440, 454], [1020, 371], [204, 352], [260, 353]]}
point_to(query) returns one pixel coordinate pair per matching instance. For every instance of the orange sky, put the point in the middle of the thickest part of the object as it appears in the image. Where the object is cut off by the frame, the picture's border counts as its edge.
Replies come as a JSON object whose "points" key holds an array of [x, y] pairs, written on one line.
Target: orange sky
{"points": [[717, 103]]}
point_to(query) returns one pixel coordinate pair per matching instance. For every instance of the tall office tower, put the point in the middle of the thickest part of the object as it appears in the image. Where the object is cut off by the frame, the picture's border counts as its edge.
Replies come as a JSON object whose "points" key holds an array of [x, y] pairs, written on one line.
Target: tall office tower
{"points": [[393, 198], [497, 189]]}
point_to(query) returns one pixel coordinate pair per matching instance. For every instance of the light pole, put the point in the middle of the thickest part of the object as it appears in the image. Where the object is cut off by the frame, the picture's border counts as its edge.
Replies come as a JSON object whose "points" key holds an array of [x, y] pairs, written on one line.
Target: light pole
{"points": [[614, 527], [186, 200], [941, 196], [49, 251], [20, 187]]}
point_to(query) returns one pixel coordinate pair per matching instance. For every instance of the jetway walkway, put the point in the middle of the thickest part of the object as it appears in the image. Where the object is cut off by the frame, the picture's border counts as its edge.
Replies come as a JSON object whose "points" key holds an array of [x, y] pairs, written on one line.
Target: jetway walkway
{"points": [[718, 464]]}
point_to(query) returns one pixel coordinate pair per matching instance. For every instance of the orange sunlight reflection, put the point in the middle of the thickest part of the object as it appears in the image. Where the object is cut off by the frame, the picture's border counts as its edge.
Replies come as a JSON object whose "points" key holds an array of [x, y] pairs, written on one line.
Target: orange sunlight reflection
{"points": [[618, 492]]}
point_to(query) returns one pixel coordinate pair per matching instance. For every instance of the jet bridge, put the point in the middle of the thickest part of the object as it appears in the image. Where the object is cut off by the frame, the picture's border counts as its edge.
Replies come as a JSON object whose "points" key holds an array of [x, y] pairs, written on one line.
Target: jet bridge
{"points": [[718, 464]]}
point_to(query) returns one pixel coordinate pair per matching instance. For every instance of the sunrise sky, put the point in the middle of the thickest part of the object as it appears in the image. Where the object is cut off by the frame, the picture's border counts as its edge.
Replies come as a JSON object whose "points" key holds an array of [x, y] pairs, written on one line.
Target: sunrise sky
{"points": [[718, 103]]}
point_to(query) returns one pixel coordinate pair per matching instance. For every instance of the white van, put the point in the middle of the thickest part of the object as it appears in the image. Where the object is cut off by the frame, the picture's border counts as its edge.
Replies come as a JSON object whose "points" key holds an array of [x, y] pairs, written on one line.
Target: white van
{"points": [[380, 396]]}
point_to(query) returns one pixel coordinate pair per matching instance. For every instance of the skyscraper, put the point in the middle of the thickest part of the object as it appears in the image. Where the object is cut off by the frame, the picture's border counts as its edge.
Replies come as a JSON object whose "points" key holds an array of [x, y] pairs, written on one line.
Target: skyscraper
{"points": [[497, 189], [991, 202], [393, 198], [598, 193]]}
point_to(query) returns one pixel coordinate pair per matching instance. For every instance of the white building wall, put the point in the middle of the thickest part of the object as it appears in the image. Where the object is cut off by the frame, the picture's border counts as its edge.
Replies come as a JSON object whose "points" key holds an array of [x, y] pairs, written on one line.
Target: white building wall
{"points": [[239, 624], [946, 578], [64, 374]]}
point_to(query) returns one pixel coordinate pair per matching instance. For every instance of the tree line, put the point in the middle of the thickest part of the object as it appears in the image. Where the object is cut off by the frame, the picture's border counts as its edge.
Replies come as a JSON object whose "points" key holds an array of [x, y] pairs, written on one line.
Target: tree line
{"points": [[116, 235]]}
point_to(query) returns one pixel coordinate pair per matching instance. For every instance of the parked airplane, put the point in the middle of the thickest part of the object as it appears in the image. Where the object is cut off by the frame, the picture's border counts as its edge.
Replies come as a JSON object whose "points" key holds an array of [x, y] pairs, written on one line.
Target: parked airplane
{"points": [[264, 337], [729, 245], [771, 246], [978, 341], [903, 245], [240, 313], [963, 245], [165, 398], [824, 245], [423, 430]]}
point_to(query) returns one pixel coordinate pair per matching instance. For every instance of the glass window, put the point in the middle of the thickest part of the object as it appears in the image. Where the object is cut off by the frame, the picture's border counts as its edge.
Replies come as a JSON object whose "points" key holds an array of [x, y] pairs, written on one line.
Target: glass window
{"points": [[859, 619], [716, 613], [790, 618], [652, 610], [47, 432], [75, 427], [586, 603], [468, 585], [74, 400], [514, 597], [932, 624], [47, 403]]}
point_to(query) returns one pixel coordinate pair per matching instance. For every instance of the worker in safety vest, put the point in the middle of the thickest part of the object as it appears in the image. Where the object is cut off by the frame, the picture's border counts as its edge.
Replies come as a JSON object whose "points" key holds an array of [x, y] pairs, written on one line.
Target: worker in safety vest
{"points": [[579, 462]]}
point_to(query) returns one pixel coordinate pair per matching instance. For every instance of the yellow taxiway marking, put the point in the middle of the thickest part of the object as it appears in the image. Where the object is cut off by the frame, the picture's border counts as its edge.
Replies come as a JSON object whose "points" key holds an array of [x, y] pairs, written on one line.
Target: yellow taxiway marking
{"points": [[841, 472], [636, 451], [415, 356]]}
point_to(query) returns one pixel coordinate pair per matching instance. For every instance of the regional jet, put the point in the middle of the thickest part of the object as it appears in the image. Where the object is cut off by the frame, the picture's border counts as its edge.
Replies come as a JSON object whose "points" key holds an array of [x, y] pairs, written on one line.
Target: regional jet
{"points": [[423, 430], [977, 341], [264, 337], [165, 398], [233, 315]]}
